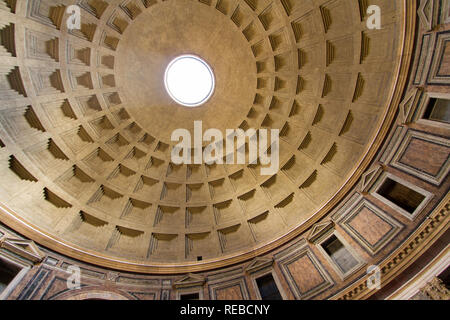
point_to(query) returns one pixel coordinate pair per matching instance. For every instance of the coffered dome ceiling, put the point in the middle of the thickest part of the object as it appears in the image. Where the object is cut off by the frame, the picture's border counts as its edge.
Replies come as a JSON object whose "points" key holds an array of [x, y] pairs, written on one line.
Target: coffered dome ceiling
{"points": [[86, 123]]}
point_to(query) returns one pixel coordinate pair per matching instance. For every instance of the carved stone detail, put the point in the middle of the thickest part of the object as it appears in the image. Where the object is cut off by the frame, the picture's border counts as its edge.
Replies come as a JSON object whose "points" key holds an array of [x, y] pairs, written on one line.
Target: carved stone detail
{"points": [[436, 290]]}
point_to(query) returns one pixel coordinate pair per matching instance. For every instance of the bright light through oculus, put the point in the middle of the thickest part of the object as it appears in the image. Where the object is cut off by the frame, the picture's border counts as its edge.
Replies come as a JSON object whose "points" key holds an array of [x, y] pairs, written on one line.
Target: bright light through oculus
{"points": [[189, 81]]}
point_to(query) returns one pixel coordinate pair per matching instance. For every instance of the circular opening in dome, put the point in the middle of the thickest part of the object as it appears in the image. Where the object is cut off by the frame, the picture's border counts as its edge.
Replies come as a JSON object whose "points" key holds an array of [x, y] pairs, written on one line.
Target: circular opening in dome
{"points": [[189, 81]]}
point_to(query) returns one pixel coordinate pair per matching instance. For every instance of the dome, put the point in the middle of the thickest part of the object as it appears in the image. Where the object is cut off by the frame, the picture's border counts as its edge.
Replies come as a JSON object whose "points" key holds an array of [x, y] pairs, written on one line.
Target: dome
{"points": [[97, 164], [86, 118]]}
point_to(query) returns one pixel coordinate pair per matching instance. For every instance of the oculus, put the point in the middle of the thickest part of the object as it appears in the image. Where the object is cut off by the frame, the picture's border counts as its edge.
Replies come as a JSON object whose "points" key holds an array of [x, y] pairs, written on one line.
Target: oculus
{"points": [[189, 81]]}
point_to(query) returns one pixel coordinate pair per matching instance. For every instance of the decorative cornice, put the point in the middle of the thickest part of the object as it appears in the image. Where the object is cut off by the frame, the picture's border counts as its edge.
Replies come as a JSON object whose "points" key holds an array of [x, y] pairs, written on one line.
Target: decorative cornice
{"points": [[319, 230], [189, 280], [26, 249], [409, 103], [258, 264], [428, 22], [369, 177]]}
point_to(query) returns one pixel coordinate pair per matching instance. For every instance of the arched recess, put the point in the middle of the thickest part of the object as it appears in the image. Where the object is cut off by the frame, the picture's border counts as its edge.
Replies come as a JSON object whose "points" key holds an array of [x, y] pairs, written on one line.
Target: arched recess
{"points": [[93, 294]]}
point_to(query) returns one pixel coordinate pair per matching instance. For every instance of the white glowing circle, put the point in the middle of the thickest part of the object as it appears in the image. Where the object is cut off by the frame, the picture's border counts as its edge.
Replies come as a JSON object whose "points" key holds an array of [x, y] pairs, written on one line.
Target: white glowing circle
{"points": [[189, 81]]}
